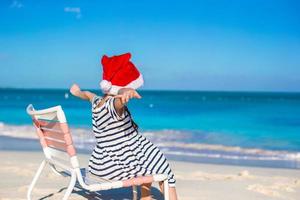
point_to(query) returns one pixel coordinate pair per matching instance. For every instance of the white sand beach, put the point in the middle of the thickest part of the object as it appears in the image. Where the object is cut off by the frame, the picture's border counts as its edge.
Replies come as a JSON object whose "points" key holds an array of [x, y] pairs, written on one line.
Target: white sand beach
{"points": [[194, 181]]}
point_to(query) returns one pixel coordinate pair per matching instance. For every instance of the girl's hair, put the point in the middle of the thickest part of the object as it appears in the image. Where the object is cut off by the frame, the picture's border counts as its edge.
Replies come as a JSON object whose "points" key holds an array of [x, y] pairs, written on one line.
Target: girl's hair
{"points": [[135, 126]]}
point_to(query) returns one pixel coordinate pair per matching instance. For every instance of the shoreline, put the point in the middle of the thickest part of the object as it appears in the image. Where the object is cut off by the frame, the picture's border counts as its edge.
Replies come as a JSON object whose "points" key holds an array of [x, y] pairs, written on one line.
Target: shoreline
{"points": [[194, 181], [10, 135]]}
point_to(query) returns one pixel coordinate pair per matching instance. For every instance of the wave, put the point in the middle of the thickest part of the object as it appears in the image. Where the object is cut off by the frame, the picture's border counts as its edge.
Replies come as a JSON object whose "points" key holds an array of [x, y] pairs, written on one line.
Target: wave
{"points": [[169, 141], [283, 157], [235, 152]]}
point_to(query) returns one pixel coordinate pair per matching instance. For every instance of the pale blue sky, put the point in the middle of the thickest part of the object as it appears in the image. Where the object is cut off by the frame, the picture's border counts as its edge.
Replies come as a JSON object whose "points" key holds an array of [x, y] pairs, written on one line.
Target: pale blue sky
{"points": [[186, 45]]}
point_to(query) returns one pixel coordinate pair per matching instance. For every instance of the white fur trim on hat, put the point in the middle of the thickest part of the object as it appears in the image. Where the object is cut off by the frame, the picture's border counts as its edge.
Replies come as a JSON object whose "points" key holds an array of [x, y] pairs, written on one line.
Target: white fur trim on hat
{"points": [[105, 86], [114, 89]]}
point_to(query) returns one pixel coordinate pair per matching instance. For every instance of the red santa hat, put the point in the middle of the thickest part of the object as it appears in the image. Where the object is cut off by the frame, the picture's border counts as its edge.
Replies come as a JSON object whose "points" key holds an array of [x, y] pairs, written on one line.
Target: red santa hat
{"points": [[119, 72]]}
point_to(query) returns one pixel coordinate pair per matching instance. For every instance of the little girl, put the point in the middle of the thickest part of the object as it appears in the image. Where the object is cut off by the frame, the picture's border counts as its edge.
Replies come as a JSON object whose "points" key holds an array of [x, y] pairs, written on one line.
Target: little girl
{"points": [[121, 152]]}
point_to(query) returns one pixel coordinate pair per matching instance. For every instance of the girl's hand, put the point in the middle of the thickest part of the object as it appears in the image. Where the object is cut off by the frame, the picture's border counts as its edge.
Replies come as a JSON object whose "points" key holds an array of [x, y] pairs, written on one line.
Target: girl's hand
{"points": [[75, 89], [126, 94]]}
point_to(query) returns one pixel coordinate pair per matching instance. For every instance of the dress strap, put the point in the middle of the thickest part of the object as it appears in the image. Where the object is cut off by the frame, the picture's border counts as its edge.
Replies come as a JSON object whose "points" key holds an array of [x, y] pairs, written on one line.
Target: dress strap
{"points": [[95, 101]]}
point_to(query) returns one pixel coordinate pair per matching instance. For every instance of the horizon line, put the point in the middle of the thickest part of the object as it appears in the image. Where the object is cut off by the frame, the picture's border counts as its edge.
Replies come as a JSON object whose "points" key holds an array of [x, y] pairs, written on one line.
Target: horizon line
{"points": [[162, 90]]}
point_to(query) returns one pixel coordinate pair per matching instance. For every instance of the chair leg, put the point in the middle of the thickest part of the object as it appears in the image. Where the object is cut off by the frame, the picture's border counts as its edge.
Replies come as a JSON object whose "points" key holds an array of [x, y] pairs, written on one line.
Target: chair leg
{"points": [[36, 176], [166, 189], [134, 193], [71, 186]]}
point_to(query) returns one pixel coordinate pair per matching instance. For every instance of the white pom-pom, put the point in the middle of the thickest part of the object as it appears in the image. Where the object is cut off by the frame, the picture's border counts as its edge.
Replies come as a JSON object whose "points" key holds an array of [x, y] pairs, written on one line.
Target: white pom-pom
{"points": [[105, 85]]}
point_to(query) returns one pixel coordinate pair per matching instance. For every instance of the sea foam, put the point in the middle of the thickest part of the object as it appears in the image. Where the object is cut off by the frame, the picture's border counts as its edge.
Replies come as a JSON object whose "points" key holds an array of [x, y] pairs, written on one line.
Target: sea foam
{"points": [[169, 141]]}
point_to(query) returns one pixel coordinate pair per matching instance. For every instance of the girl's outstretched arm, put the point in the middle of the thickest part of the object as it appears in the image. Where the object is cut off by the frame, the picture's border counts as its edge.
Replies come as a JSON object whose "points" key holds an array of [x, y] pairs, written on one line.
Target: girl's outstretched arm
{"points": [[124, 95], [85, 95]]}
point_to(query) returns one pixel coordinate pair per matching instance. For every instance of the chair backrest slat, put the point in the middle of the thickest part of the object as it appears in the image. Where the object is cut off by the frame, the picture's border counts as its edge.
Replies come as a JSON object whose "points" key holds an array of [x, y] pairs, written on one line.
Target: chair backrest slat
{"points": [[57, 145], [49, 134], [52, 125], [53, 132]]}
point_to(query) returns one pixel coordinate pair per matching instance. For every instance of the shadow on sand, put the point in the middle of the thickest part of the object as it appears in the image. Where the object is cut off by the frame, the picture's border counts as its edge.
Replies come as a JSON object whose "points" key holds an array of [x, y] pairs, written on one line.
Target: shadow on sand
{"points": [[112, 194]]}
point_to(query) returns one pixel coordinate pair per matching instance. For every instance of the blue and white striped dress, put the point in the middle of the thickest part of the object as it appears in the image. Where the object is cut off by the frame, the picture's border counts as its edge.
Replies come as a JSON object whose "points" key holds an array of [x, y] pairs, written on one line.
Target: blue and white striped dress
{"points": [[121, 152]]}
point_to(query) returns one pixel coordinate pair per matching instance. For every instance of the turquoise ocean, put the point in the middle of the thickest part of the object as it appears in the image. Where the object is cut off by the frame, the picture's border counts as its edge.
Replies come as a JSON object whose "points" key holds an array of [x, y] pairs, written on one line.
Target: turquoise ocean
{"points": [[239, 128]]}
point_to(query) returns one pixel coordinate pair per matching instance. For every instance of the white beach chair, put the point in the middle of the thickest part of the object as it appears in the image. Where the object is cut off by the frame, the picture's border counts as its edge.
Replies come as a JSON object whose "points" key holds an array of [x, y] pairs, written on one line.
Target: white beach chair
{"points": [[56, 141]]}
